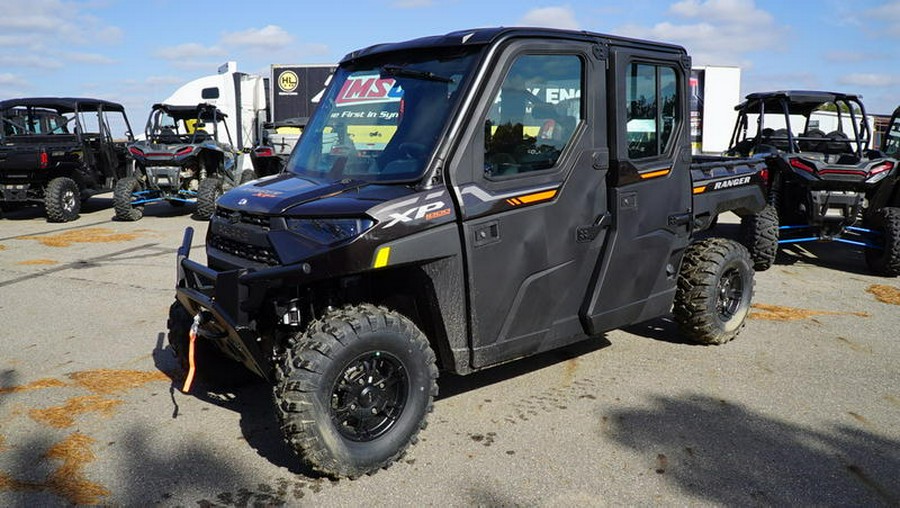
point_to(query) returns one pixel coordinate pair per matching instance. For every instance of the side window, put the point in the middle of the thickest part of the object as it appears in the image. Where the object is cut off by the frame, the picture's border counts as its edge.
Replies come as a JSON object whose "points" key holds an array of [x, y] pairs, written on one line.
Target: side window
{"points": [[651, 105], [90, 122], [534, 114]]}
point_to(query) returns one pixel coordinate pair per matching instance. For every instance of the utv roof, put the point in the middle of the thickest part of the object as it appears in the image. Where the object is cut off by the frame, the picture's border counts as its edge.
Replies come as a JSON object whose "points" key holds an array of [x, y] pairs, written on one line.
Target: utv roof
{"points": [[63, 104], [800, 102], [483, 36], [203, 111]]}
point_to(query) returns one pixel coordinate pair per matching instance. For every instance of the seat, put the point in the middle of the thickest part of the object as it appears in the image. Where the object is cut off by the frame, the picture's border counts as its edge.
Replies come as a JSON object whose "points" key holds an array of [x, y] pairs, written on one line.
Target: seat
{"points": [[837, 142], [812, 145]]}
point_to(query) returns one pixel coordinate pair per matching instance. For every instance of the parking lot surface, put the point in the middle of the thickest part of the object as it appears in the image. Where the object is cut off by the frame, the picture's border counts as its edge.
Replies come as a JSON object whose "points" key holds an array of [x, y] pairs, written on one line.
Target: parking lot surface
{"points": [[802, 408]]}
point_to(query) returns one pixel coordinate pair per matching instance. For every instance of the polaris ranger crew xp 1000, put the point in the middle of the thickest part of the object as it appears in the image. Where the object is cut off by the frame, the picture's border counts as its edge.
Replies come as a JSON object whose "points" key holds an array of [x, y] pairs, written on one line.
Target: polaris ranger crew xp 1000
{"points": [[456, 202]]}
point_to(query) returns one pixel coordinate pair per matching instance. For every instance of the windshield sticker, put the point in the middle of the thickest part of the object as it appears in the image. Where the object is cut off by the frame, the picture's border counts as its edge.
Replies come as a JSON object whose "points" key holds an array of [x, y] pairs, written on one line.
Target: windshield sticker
{"points": [[368, 89]]}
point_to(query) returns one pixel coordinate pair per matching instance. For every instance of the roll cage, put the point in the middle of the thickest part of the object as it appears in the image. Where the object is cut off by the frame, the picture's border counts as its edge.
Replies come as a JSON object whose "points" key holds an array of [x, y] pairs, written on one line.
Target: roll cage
{"points": [[804, 104]]}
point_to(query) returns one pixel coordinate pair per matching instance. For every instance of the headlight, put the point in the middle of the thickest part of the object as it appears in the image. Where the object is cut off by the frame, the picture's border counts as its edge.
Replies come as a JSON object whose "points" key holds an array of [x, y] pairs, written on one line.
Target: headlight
{"points": [[329, 231]]}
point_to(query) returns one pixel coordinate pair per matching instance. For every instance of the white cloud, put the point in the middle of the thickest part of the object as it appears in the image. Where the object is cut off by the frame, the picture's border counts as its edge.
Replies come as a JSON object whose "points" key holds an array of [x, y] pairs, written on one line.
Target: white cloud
{"points": [[8, 79], [188, 51], [89, 58], [888, 13], [26, 61], [58, 23], [267, 38], [554, 17], [843, 56], [870, 79], [716, 32]]}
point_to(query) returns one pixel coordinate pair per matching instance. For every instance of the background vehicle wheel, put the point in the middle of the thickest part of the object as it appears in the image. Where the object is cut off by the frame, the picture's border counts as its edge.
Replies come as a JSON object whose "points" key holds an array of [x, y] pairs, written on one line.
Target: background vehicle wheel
{"points": [[247, 175], [885, 261], [62, 200], [715, 287], [354, 390], [123, 196], [759, 234], [208, 192], [213, 366]]}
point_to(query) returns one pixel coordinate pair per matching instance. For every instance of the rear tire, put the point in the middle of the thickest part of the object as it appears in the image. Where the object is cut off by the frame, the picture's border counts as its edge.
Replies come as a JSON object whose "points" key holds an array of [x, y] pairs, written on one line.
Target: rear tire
{"points": [[123, 197], [62, 201], [759, 234], [715, 288], [885, 261], [355, 389], [209, 190]]}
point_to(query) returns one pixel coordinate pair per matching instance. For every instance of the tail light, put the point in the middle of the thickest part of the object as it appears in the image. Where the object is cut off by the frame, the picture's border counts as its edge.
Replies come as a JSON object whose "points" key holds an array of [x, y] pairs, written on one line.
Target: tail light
{"points": [[764, 175], [881, 168], [264, 151], [45, 159], [184, 151], [799, 164], [135, 151]]}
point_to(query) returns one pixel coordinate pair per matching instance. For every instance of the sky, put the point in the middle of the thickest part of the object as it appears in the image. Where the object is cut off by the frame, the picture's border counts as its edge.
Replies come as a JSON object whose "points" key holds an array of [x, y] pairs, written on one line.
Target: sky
{"points": [[137, 52]]}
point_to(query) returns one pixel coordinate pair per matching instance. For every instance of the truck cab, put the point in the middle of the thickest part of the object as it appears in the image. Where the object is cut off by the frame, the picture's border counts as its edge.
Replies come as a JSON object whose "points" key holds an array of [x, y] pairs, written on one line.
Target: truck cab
{"points": [[455, 202]]}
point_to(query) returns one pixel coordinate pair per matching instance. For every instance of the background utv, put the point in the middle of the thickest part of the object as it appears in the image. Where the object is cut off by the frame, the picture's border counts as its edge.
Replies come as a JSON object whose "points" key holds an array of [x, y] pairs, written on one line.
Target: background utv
{"points": [[186, 157], [59, 151]]}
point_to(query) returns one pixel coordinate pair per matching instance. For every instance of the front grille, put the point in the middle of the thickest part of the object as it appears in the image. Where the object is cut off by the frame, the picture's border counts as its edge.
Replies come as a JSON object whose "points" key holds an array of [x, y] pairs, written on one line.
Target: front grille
{"points": [[245, 217], [242, 250]]}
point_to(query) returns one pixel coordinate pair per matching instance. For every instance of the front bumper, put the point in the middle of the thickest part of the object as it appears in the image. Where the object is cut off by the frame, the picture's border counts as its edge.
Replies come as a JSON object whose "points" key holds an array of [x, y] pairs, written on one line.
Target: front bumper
{"points": [[217, 296]]}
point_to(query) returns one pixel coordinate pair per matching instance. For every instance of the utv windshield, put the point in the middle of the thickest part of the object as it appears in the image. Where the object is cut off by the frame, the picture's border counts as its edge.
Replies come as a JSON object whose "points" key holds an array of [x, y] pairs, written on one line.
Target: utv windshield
{"points": [[380, 121], [892, 139]]}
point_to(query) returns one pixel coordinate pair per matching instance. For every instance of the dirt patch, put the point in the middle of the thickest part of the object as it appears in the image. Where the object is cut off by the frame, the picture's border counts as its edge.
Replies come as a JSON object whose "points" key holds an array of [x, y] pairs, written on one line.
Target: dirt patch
{"points": [[3, 447], [885, 294], [2, 247], [9, 484], [68, 481], [779, 313], [38, 262], [569, 370], [35, 385], [105, 381], [87, 235], [64, 416]]}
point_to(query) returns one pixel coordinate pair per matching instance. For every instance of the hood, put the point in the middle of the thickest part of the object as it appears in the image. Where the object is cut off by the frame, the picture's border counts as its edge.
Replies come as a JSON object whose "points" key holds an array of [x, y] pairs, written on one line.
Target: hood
{"points": [[291, 194]]}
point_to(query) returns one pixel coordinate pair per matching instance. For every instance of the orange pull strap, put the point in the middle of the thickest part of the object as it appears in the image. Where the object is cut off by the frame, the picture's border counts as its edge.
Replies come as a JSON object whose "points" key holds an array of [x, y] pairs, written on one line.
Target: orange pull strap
{"points": [[192, 367]]}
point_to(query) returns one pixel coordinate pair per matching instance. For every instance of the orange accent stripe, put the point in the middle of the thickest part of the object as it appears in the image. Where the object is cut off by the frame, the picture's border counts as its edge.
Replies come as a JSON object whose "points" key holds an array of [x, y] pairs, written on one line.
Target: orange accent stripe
{"points": [[699, 190], [538, 196], [654, 174], [192, 367], [512, 202]]}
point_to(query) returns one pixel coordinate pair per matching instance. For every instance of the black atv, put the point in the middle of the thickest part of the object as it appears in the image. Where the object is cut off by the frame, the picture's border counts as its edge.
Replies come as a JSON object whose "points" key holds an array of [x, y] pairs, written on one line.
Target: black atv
{"points": [[59, 151], [825, 185], [278, 139], [187, 157]]}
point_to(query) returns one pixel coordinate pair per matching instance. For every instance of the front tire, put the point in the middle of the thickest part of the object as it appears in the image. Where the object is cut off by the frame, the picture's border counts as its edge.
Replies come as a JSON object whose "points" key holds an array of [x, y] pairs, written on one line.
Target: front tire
{"points": [[123, 197], [209, 190], [759, 234], [886, 260], [355, 389], [715, 287], [62, 200]]}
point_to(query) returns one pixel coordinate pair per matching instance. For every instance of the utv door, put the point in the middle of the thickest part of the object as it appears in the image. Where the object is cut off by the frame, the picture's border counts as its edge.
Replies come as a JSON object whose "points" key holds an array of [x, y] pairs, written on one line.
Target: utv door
{"points": [[531, 184], [650, 195]]}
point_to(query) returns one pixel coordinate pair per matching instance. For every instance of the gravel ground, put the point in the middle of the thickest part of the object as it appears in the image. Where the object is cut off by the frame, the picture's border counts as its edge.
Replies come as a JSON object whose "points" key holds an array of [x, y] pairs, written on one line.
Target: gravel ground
{"points": [[802, 409]]}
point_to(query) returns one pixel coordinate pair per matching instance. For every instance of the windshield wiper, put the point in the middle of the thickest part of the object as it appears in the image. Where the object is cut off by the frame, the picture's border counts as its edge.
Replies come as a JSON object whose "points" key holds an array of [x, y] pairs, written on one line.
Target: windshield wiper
{"points": [[397, 71]]}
